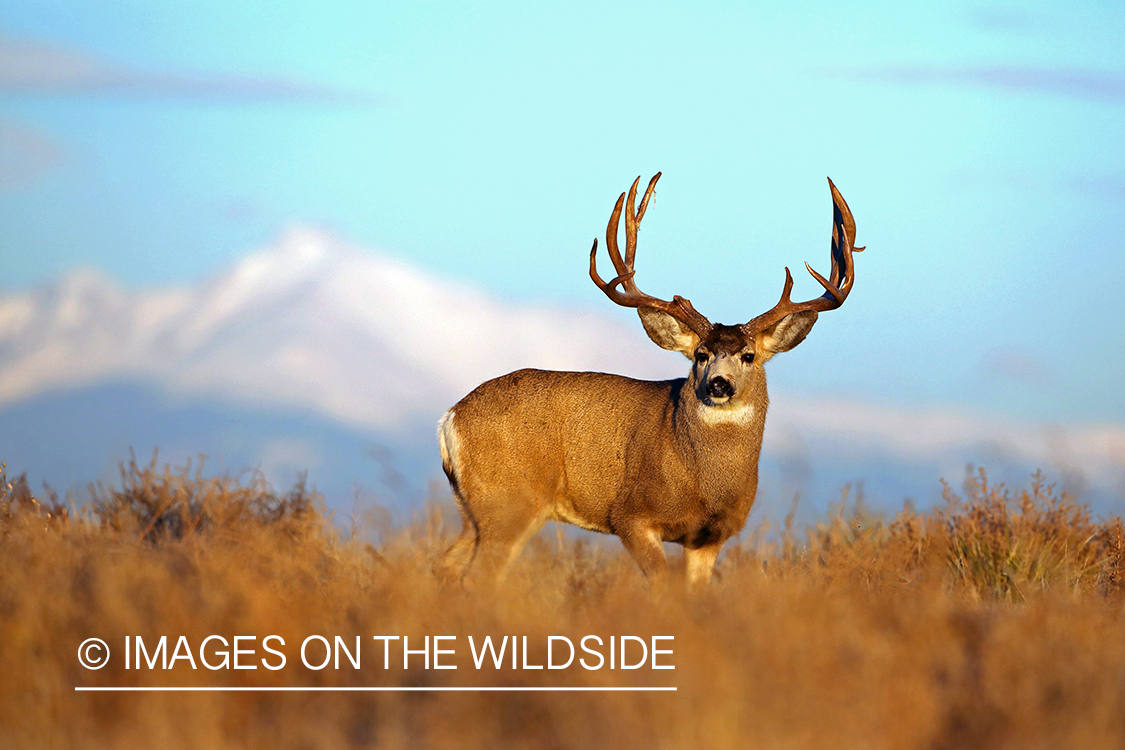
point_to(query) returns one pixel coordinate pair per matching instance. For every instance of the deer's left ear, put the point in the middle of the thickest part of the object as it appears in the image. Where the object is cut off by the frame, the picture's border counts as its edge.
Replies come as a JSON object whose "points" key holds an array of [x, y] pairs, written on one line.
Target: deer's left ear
{"points": [[788, 332]]}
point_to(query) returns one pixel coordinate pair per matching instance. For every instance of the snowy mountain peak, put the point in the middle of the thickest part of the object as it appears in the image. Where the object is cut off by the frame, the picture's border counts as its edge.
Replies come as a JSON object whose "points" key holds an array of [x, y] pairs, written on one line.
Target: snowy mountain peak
{"points": [[301, 244], [299, 252], [310, 322], [79, 296], [84, 282]]}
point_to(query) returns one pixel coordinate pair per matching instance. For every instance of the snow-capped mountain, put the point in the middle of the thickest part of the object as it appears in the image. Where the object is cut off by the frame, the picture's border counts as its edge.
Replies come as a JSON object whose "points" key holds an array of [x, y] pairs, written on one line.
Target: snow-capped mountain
{"points": [[310, 323]]}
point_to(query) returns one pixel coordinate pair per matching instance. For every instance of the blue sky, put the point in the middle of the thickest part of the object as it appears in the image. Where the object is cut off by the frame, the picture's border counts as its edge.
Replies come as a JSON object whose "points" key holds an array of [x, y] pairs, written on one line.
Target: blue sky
{"points": [[981, 147]]}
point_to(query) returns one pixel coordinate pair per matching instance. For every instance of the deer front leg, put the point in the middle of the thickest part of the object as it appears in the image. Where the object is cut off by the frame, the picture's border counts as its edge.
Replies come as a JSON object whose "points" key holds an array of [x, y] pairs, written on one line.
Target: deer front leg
{"points": [[701, 564], [644, 544]]}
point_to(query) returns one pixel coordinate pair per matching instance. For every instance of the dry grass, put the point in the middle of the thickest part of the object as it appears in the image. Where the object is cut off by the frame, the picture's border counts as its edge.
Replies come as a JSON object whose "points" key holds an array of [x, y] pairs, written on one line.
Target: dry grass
{"points": [[995, 621]]}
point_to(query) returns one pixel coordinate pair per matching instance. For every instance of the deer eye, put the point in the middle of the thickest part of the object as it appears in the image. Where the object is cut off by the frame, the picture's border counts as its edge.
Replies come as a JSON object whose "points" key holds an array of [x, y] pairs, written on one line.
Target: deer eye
{"points": [[748, 357], [701, 357]]}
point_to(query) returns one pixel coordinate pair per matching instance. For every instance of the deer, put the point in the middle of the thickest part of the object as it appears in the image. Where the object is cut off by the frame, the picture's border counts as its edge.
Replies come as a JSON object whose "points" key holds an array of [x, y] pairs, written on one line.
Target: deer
{"points": [[648, 461]]}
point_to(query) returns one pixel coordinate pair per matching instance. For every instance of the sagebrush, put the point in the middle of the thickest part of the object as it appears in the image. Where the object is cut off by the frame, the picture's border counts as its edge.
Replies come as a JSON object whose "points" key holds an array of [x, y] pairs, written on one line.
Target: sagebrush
{"points": [[995, 620]]}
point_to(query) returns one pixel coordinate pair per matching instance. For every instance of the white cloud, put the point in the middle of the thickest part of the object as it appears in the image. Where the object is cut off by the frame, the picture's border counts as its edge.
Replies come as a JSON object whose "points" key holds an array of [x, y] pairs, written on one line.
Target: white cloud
{"points": [[945, 435], [38, 68]]}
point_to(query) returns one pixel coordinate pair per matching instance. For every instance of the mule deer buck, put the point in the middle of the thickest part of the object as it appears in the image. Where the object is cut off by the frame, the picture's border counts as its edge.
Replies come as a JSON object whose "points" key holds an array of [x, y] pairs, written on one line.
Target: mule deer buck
{"points": [[652, 462]]}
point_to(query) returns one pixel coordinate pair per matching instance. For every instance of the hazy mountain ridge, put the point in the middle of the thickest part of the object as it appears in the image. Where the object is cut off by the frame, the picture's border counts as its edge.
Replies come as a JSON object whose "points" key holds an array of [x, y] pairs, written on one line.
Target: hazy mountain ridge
{"points": [[315, 354]]}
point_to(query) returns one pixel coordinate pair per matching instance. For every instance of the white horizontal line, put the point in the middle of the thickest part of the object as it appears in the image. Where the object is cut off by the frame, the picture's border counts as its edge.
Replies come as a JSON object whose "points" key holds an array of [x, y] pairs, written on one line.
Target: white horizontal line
{"points": [[364, 689]]}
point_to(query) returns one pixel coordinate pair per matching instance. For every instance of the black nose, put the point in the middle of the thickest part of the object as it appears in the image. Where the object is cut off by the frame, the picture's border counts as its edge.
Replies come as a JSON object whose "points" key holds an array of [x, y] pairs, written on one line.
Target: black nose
{"points": [[719, 387]]}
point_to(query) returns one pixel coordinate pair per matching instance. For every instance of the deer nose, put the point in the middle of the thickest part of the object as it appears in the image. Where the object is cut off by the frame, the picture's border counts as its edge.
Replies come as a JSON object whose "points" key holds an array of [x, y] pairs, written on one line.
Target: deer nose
{"points": [[719, 387]]}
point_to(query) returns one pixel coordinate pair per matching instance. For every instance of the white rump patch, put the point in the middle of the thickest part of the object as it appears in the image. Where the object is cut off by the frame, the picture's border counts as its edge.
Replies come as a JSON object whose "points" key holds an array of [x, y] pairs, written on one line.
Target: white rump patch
{"points": [[713, 415], [450, 444]]}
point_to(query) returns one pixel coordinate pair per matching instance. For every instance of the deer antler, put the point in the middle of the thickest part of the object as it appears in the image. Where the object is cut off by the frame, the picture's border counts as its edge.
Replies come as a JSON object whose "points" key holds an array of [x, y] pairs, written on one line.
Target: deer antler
{"points": [[629, 295], [839, 282]]}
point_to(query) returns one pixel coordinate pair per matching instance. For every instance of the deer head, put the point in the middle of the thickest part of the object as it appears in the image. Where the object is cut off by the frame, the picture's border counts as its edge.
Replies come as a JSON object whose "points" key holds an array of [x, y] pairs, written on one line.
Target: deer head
{"points": [[726, 359]]}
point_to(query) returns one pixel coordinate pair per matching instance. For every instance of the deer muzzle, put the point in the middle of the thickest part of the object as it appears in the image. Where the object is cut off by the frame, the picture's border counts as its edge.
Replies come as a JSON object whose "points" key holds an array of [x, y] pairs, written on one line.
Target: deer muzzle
{"points": [[719, 387]]}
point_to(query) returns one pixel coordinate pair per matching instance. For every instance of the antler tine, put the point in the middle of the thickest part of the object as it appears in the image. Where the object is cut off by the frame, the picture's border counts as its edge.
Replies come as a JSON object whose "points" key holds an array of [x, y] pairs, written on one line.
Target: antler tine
{"points": [[648, 194], [633, 224], [611, 237], [839, 282], [628, 295]]}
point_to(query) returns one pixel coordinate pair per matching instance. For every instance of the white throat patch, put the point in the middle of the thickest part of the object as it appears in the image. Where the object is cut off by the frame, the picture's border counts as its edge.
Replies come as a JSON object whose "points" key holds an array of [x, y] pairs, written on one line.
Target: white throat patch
{"points": [[714, 415]]}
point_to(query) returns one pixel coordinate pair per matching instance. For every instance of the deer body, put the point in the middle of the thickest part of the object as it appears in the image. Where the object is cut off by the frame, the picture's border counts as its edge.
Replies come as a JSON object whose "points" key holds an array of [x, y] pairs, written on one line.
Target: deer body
{"points": [[651, 462]]}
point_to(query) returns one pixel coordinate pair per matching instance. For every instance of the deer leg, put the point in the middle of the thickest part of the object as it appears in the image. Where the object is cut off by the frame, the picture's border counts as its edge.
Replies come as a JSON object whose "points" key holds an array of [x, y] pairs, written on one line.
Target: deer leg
{"points": [[503, 536], [644, 544], [701, 564], [455, 560]]}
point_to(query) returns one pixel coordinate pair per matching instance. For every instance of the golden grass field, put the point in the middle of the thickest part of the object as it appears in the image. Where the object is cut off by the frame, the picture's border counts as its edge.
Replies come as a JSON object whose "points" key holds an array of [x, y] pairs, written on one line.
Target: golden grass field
{"points": [[996, 620]]}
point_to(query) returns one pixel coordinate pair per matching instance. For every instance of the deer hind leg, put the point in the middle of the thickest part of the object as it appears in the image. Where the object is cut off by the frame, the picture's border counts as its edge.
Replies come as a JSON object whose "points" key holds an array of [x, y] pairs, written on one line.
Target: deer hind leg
{"points": [[456, 560], [503, 534]]}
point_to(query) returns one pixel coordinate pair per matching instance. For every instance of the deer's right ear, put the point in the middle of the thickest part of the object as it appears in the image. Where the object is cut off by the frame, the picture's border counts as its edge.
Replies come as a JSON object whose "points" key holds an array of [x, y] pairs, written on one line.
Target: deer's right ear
{"points": [[667, 332]]}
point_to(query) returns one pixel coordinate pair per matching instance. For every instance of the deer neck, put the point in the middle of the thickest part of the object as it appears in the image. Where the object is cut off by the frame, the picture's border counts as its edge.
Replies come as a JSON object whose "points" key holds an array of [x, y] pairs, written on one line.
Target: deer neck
{"points": [[717, 439]]}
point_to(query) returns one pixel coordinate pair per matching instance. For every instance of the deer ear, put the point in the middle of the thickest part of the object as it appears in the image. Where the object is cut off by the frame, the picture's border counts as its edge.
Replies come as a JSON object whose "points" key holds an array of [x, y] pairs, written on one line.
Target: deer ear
{"points": [[788, 332], [667, 332]]}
